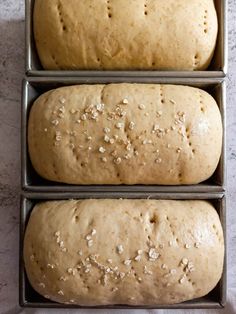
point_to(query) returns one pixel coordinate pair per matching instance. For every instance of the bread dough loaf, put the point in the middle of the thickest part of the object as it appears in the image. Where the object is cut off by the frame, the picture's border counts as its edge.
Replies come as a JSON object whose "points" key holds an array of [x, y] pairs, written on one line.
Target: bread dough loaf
{"points": [[137, 252], [125, 134], [125, 35]]}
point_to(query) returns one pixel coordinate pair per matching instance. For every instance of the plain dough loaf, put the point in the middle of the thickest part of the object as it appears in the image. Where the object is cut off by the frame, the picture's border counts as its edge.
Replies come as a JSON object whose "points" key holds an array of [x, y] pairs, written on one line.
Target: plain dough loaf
{"points": [[125, 134], [125, 35], [137, 252]]}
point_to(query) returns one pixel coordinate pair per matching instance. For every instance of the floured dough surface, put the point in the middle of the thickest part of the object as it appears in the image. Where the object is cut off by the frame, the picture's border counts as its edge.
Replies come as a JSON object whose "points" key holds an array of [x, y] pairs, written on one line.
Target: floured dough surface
{"points": [[125, 134], [137, 252], [125, 35]]}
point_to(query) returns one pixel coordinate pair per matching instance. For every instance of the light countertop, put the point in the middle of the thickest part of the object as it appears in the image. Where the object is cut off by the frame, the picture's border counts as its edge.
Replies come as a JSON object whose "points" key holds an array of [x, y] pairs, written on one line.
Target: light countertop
{"points": [[11, 74]]}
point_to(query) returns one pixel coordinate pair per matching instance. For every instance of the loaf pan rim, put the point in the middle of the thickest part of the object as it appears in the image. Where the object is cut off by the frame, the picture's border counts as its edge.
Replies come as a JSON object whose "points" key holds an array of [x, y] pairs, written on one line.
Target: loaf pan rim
{"points": [[27, 82], [180, 196], [30, 49]]}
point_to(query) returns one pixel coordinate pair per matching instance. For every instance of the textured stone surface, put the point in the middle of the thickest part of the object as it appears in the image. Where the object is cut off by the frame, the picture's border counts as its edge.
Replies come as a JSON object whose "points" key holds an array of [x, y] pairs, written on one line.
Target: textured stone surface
{"points": [[11, 74]]}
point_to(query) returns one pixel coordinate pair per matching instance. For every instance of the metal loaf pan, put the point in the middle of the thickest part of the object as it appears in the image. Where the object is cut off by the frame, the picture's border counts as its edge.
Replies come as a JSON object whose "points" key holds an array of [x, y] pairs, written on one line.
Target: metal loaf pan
{"points": [[31, 181], [218, 67], [30, 298]]}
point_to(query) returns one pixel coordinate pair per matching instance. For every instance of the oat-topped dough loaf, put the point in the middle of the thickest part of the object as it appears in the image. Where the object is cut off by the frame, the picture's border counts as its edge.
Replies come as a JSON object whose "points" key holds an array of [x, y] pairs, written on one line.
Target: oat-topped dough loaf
{"points": [[125, 34], [125, 134], [137, 252]]}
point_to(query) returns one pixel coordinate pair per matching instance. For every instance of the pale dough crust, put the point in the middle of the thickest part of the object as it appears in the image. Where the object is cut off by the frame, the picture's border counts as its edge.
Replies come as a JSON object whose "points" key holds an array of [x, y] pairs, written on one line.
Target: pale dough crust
{"points": [[137, 252], [125, 134], [125, 35]]}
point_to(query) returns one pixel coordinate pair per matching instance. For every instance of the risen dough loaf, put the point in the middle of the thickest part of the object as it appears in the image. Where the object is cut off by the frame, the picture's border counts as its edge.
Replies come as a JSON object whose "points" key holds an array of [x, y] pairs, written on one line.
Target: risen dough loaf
{"points": [[136, 252], [125, 134], [125, 34]]}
